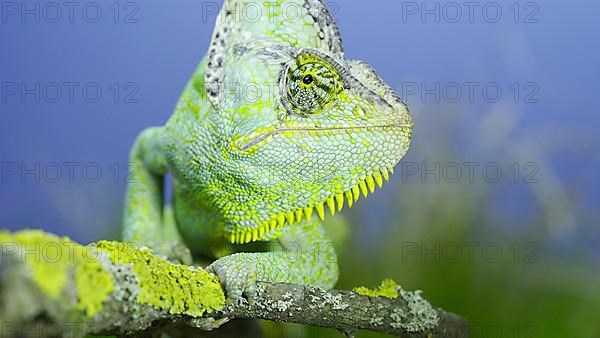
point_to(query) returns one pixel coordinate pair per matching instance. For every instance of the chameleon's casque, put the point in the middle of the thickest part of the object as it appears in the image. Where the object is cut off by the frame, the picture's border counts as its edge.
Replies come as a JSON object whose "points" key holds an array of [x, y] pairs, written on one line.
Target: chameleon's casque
{"points": [[275, 126]]}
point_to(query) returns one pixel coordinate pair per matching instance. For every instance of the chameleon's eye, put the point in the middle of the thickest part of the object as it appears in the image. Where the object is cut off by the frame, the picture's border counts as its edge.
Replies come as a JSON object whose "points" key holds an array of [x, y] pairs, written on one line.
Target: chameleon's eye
{"points": [[311, 83], [308, 79]]}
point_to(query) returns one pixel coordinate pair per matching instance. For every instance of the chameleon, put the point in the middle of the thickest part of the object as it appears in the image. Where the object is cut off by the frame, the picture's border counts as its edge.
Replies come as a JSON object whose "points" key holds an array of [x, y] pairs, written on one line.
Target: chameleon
{"points": [[274, 130]]}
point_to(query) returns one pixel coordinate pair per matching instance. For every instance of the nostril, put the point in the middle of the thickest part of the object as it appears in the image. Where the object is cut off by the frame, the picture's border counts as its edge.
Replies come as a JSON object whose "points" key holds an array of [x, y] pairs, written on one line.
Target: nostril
{"points": [[360, 112]]}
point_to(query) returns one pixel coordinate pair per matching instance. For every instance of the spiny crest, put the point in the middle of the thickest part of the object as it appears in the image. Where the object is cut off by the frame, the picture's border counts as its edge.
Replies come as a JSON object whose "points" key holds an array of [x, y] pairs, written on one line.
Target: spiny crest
{"points": [[334, 203]]}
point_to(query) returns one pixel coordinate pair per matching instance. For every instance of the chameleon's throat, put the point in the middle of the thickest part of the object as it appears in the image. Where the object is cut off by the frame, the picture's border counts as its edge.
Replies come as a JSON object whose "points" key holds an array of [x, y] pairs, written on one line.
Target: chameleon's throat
{"points": [[334, 203]]}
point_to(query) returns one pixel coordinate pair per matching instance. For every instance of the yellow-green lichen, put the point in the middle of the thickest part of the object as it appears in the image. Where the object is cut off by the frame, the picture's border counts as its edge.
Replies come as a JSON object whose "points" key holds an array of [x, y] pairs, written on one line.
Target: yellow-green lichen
{"points": [[51, 260], [48, 271], [94, 285], [177, 289], [388, 288], [418, 316]]}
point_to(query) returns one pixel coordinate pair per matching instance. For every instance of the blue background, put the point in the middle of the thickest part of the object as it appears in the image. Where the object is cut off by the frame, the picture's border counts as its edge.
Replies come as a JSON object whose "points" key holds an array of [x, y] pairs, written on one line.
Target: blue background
{"points": [[558, 54]]}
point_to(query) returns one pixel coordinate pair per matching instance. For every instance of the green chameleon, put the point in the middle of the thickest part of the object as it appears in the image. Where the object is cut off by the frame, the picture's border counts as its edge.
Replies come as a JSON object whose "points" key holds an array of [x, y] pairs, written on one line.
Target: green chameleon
{"points": [[274, 127]]}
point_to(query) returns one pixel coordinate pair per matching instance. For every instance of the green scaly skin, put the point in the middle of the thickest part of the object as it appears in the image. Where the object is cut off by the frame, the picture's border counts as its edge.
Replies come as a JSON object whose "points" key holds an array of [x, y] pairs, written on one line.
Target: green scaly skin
{"points": [[275, 127]]}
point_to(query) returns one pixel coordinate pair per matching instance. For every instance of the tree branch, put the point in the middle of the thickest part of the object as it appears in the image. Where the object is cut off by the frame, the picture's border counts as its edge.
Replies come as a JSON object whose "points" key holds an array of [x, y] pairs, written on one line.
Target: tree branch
{"points": [[51, 286], [346, 311]]}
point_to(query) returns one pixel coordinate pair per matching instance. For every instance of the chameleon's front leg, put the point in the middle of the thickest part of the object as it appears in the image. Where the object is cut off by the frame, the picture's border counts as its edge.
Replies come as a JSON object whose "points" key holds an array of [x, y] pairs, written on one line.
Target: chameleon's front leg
{"points": [[143, 221], [303, 255]]}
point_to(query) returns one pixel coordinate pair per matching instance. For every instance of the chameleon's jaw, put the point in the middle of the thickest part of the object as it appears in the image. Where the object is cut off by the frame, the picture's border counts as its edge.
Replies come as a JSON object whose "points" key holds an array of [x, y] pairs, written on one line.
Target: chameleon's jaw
{"points": [[334, 203], [373, 151]]}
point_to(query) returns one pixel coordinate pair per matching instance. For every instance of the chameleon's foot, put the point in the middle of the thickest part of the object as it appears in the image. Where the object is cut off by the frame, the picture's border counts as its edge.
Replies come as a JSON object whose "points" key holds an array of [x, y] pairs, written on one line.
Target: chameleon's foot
{"points": [[238, 279]]}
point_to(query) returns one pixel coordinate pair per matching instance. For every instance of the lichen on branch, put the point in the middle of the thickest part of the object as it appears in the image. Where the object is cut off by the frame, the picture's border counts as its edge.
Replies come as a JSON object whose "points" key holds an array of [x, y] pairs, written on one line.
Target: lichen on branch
{"points": [[105, 286], [114, 288]]}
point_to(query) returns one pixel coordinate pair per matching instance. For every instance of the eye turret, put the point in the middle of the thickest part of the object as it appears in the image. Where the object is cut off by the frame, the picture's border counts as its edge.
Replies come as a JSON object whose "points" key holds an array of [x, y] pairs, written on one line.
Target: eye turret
{"points": [[311, 83]]}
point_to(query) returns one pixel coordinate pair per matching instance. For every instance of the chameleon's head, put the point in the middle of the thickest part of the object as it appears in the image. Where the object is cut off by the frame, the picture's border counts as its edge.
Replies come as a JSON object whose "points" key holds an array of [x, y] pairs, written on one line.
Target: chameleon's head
{"points": [[328, 131]]}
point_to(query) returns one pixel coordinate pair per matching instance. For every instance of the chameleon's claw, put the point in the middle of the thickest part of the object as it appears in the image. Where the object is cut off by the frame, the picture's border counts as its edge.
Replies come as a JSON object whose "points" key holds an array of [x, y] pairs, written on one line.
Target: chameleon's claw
{"points": [[238, 281], [250, 292]]}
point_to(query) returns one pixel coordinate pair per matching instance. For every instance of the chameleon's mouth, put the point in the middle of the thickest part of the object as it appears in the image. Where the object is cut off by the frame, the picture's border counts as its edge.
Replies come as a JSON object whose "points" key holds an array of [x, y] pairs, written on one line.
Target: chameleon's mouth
{"points": [[259, 138], [335, 203]]}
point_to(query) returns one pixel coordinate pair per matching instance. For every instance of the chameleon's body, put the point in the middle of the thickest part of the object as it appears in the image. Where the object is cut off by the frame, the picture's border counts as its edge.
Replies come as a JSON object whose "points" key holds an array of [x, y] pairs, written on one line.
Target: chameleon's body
{"points": [[274, 126]]}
